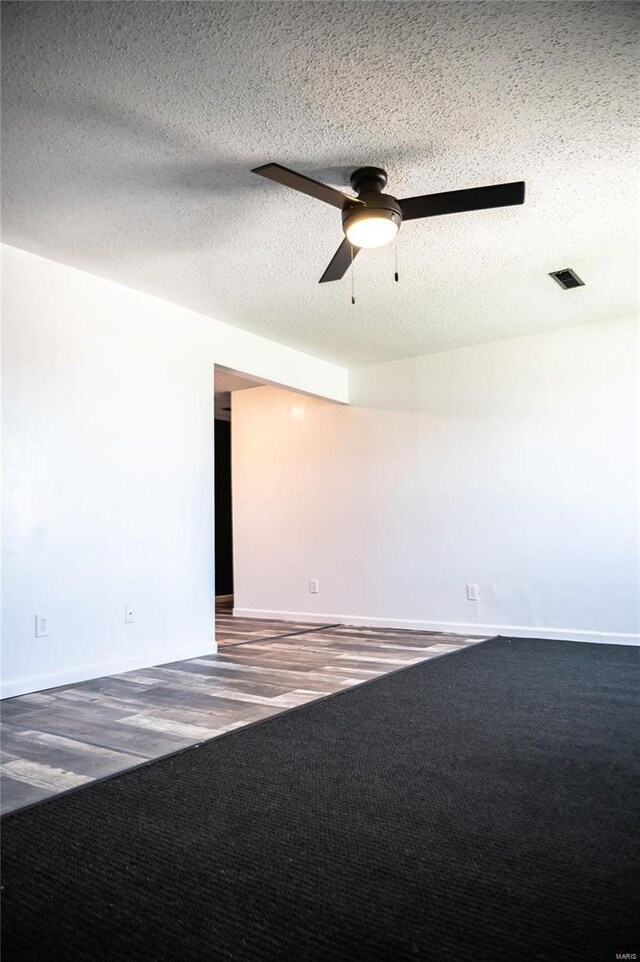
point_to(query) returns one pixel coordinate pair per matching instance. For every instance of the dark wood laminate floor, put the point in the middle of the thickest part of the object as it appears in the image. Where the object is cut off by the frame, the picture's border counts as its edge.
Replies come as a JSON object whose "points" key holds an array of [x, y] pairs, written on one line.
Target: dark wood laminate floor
{"points": [[69, 736], [232, 631]]}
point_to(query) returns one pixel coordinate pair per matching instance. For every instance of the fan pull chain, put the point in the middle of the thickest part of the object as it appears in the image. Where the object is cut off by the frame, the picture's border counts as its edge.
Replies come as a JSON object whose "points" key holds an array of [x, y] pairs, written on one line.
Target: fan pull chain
{"points": [[353, 277], [395, 254]]}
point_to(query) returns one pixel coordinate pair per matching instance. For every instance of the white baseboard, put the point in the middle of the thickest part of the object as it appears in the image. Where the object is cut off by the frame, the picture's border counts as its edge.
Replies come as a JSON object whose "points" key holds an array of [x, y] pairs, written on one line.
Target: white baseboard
{"points": [[448, 627], [25, 686]]}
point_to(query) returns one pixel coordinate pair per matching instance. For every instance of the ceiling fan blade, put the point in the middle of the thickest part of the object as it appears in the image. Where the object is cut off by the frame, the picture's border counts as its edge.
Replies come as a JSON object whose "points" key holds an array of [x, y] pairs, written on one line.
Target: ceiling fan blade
{"points": [[457, 201], [340, 262], [282, 175]]}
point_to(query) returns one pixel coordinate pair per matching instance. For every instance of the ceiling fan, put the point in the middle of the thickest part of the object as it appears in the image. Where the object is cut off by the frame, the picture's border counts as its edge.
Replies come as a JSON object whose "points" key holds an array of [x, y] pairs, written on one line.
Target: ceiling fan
{"points": [[373, 218]]}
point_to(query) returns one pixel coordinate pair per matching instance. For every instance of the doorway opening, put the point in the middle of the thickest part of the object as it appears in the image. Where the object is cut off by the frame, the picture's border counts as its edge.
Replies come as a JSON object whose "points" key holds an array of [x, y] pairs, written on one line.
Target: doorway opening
{"points": [[231, 630], [223, 522], [226, 382]]}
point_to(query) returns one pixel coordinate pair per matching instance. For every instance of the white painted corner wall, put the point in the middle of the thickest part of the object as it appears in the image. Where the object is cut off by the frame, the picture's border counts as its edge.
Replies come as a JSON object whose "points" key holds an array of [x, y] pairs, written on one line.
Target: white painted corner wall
{"points": [[108, 470], [511, 465]]}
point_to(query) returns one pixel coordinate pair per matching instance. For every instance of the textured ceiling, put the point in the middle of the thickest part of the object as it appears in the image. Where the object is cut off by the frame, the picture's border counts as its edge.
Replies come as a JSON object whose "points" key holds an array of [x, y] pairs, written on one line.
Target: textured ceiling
{"points": [[130, 130]]}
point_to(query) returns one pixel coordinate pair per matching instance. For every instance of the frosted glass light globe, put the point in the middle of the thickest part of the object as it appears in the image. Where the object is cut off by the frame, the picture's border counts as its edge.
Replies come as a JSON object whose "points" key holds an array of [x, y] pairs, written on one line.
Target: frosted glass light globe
{"points": [[373, 230]]}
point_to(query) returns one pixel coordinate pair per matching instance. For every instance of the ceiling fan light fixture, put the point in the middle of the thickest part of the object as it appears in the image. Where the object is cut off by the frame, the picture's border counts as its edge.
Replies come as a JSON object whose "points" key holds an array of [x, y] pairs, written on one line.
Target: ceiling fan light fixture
{"points": [[373, 218], [371, 228]]}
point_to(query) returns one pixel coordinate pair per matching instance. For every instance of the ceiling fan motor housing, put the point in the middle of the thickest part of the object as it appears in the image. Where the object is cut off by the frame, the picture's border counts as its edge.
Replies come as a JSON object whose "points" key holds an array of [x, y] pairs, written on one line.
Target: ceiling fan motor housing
{"points": [[369, 182]]}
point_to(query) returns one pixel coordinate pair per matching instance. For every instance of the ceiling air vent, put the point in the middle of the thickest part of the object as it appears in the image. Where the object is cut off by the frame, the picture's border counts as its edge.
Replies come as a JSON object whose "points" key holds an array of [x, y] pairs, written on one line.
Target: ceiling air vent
{"points": [[567, 278]]}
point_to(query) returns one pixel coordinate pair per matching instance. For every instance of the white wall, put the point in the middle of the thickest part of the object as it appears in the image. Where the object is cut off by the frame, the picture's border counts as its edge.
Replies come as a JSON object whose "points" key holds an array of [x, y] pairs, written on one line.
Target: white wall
{"points": [[511, 465], [108, 469]]}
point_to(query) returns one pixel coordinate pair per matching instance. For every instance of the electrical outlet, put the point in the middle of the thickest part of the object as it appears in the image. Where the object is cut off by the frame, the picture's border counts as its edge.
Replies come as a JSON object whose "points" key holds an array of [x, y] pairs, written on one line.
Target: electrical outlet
{"points": [[128, 615], [42, 626], [314, 587], [473, 593]]}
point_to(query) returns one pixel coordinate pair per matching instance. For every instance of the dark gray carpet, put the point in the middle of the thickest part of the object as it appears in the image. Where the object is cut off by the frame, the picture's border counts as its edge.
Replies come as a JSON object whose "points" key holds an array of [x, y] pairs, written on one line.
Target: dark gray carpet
{"points": [[481, 806]]}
